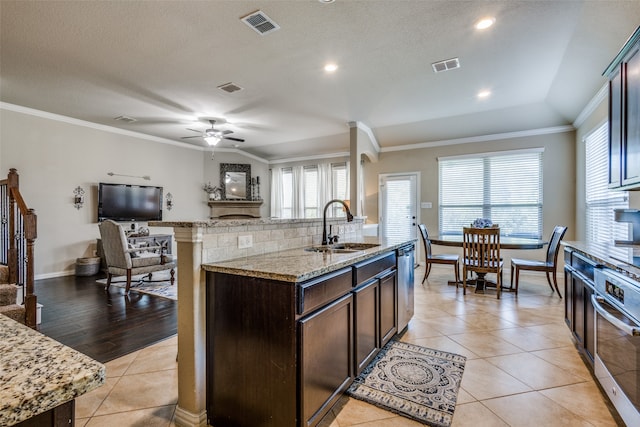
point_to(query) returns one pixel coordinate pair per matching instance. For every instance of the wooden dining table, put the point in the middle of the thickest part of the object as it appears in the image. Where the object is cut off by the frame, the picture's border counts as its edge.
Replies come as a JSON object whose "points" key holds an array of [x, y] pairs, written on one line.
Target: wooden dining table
{"points": [[506, 242]]}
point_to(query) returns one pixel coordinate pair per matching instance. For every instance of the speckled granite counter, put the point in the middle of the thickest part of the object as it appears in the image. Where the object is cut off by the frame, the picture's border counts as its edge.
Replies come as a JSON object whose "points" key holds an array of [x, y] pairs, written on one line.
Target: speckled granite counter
{"points": [[38, 374], [622, 258], [298, 265]]}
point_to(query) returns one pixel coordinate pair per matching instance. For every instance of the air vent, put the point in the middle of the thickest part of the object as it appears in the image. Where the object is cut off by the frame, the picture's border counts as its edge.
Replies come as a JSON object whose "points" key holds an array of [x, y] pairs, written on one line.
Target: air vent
{"points": [[446, 65], [125, 119], [260, 23], [230, 87]]}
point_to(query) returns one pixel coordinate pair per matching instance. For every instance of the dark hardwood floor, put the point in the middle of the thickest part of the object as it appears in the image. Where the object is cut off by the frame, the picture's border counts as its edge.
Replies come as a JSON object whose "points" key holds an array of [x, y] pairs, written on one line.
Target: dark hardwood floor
{"points": [[103, 325]]}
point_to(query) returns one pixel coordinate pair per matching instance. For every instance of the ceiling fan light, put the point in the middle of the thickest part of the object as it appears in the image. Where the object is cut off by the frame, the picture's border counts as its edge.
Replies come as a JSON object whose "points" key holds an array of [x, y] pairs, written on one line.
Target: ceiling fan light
{"points": [[212, 140]]}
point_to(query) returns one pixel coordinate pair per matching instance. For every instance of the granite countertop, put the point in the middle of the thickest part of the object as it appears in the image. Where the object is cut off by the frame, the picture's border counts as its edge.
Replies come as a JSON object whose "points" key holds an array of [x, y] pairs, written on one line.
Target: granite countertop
{"points": [[212, 223], [624, 258], [38, 373], [298, 265]]}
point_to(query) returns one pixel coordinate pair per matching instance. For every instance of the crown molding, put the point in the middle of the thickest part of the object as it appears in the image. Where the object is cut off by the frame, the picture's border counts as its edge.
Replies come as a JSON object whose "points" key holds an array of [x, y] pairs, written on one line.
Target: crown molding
{"points": [[366, 129], [482, 138], [302, 159], [591, 106], [111, 129]]}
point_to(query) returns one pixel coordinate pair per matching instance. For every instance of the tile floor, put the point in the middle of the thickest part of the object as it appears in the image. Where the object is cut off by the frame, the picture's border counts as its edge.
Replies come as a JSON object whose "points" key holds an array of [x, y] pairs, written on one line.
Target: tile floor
{"points": [[522, 366]]}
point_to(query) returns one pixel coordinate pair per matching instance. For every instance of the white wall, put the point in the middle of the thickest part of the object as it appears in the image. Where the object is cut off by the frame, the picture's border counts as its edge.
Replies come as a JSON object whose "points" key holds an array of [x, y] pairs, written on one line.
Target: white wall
{"points": [[53, 157]]}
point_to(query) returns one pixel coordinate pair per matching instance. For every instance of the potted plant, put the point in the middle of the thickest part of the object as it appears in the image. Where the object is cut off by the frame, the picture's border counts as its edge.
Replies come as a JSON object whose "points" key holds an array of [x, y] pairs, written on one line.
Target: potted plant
{"points": [[215, 193]]}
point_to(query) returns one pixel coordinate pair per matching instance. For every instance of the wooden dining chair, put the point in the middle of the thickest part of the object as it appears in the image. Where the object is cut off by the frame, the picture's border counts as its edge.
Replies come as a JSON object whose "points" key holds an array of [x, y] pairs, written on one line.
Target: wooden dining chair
{"points": [[430, 258], [549, 265], [481, 254]]}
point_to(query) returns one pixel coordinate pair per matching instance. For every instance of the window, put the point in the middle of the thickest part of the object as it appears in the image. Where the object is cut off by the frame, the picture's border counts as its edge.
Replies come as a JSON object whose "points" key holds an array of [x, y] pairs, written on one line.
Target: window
{"points": [[503, 187], [600, 201], [303, 191], [287, 193], [339, 187], [311, 192]]}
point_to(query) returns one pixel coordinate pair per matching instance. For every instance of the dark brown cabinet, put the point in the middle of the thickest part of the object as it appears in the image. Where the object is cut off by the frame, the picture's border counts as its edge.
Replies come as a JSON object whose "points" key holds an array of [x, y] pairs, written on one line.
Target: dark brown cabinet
{"points": [[367, 337], [388, 307], [624, 116], [280, 354], [326, 342], [579, 311], [376, 297]]}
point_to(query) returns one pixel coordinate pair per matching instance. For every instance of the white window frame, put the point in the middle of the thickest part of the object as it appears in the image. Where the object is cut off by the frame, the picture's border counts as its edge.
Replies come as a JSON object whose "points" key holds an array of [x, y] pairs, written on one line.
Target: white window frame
{"points": [[452, 217]]}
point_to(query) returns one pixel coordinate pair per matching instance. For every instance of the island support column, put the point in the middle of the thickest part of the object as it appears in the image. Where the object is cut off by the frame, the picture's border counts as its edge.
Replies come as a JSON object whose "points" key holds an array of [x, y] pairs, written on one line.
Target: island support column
{"points": [[191, 410]]}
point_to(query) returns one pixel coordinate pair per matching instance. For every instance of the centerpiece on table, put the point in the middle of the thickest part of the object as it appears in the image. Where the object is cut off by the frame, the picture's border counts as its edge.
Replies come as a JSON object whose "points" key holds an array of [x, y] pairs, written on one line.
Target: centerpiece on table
{"points": [[483, 223]]}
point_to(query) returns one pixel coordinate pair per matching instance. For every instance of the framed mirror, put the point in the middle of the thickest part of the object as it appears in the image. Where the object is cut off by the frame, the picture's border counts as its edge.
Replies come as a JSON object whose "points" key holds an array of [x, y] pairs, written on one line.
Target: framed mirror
{"points": [[235, 181]]}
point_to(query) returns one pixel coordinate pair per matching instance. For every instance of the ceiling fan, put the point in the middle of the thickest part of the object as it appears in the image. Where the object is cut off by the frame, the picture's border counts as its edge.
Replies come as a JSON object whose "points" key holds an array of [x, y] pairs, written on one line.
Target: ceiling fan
{"points": [[213, 135]]}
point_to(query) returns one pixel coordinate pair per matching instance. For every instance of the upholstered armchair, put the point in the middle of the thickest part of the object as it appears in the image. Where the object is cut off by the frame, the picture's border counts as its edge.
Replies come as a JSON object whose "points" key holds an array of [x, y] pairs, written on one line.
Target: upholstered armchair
{"points": [[125, 261]]}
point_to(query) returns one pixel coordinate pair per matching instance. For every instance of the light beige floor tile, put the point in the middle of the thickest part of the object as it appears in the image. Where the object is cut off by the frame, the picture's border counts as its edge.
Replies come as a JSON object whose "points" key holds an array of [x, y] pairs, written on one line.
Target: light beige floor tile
{"points": [[533, 410], [527, 339], [395, 421], [477, 415], [356, 412], [566, 358], [150, 417], [464, 397], [487, 321], [419, 329], [118, 367], [585, 400], [484, 344], [154, 359], [87, 404], [533, 371], [138, 391], [167, 342], [444, 320], [483, 380], [443, 343]]}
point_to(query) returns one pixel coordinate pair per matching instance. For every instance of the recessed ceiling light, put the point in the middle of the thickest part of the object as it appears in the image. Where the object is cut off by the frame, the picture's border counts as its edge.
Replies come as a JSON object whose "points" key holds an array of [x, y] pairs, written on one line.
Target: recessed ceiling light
{"points": [[485, 23], [326, 1], [330, 68], [484, 94]]}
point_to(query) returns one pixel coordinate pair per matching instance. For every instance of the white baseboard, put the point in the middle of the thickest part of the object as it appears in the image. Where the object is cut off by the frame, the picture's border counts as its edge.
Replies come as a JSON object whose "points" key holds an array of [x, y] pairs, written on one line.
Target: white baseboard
{"points": [[184, 418], [55, 274]]}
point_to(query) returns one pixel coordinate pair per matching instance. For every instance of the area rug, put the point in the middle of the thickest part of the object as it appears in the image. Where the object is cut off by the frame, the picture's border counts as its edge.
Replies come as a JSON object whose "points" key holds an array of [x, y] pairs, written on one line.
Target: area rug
{"points": [[412, 381], [162, 289]]}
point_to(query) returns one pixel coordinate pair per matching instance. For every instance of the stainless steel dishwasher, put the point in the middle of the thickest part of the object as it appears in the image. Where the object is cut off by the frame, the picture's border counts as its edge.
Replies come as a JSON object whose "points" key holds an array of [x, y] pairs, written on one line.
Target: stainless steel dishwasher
{"points": [[405, 261]]}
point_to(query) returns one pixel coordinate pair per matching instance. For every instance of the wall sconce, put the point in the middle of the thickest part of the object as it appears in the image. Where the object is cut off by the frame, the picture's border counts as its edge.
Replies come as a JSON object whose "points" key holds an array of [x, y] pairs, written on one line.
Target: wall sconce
{"points": [[169, 198], [78, 198]]}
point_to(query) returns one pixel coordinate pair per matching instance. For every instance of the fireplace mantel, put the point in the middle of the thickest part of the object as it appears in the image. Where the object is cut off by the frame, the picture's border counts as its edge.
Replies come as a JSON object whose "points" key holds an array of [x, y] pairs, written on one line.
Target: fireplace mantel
{"points": [[230, 209]]}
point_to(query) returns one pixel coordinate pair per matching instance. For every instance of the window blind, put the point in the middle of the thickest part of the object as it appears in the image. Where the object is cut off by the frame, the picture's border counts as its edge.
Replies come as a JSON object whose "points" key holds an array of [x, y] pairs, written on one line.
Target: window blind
{"points": [[600, 200], [503, 187]]}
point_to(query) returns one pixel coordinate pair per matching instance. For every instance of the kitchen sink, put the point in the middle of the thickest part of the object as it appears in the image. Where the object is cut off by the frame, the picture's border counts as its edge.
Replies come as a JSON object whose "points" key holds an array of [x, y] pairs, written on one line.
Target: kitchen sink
{"points": [[331, 249], [355, 246], [342, 247]]}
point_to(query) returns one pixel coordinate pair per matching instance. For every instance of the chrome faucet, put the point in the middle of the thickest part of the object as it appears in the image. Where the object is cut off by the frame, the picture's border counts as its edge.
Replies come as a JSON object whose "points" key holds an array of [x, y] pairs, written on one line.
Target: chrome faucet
{"points": [[331, 239]]}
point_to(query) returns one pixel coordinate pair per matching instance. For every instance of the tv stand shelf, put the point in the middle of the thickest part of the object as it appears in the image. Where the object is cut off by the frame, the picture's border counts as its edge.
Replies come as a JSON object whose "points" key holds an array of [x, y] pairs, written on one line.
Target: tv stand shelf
{"points": [[164, 240]]}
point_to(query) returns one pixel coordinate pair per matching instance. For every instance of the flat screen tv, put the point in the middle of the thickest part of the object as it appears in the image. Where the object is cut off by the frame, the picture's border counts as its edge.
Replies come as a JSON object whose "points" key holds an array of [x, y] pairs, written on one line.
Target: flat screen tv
{"points": [[123, 202]]}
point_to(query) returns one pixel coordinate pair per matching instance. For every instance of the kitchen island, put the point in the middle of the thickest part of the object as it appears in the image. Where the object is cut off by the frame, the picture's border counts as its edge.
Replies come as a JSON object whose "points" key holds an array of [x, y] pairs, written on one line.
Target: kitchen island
{"points": [[40, 377], [288, 331]]}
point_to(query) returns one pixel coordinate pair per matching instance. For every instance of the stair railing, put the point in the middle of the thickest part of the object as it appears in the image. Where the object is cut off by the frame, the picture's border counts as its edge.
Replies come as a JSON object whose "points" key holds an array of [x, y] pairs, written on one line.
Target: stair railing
{"points": [[18, 232]]}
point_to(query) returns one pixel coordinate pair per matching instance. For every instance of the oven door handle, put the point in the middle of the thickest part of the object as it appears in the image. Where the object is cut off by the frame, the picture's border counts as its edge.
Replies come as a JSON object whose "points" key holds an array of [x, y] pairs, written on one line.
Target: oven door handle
{"points": [[597, 301]]}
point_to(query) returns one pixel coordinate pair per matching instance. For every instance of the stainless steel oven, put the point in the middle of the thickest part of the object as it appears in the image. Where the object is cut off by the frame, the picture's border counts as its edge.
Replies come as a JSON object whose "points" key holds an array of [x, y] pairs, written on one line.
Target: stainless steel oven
{"points": [[617, 341]]}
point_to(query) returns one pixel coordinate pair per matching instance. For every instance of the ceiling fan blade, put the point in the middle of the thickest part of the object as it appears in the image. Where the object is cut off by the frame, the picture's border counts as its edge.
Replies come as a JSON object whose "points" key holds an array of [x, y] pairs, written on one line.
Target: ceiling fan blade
{"points": [[187, 137], [233, 139], [226, 132], [193, 130]]}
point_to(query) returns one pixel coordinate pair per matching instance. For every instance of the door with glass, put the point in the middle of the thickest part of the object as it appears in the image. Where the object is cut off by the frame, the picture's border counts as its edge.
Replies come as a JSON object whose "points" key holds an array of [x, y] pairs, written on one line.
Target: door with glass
{"points": [[398, 206]]}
